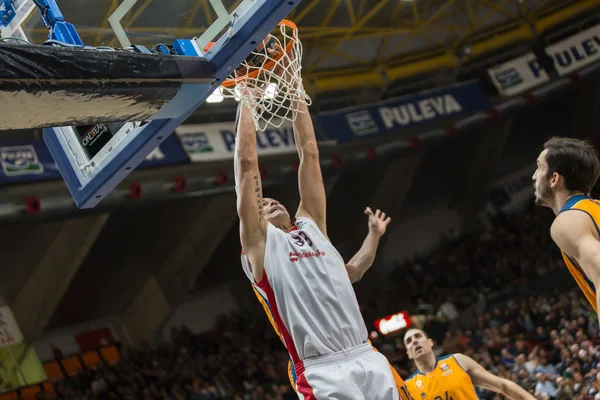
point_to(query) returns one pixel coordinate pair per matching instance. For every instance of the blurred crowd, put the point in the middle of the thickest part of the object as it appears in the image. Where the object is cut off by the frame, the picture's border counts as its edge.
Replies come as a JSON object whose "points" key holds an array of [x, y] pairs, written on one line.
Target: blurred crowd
{"points": [[517, 249], [242, 358], [546, 343]]}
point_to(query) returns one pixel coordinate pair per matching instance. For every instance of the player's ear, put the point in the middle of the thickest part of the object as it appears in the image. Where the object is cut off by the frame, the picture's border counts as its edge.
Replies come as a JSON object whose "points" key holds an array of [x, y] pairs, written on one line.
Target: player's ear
{"points": [[430, 342], [555, 179]]}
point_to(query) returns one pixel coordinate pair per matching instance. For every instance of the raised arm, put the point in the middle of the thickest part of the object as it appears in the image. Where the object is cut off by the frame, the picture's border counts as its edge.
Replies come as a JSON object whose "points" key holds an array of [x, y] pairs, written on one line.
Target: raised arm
{"points": [[363, 259], [253, 226], [313, 203], [482, 378]]}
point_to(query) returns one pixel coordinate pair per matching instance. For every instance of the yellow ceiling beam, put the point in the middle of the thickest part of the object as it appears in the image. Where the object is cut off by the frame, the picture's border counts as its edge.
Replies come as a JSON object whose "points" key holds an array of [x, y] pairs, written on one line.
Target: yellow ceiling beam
{"points": [[426, 7], [308, 34], [136, 14], [522, 9], [499, 9], [348, 81], [415, 11], [348, 34], [128, 22], [543, 24], [111, 9], [350, 8], [335, 80], [302, 14], [438, 14], [523, 32], [208, 12], [545, 6], [446, 60], [190, 18], [340, 79], [350, 57], [470, 15], [332, 8], [235, 5], [361, 8]]}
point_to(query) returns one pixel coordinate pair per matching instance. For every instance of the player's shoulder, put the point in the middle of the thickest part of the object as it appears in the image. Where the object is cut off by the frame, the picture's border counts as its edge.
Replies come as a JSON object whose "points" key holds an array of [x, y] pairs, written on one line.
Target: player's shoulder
{"points": [[443, 361], [411, 379], [303, 221], [462, 360], [571, 224]]}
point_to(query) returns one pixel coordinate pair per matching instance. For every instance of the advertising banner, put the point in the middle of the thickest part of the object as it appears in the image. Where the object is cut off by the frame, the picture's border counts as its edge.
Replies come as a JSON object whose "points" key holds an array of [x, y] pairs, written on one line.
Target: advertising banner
{"points": [[394, 115], [518, 75], [216, 142], [576, 52], [32, 162]]}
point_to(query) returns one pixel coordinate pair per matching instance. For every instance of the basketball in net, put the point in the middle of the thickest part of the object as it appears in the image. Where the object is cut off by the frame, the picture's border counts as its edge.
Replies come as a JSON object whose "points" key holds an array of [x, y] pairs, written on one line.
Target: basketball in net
{"points": [[269, 80]]}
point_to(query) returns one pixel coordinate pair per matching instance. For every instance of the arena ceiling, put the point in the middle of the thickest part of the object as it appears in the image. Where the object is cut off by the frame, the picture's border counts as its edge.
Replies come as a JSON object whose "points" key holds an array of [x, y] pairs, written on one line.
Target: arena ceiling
{"points": [[355, 51], [348, 43]]}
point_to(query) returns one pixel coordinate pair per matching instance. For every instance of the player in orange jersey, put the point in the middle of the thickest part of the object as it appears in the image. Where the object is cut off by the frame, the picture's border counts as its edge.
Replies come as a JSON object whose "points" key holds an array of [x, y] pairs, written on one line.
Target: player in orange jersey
{"points": [[567, 170], [453, 376]]}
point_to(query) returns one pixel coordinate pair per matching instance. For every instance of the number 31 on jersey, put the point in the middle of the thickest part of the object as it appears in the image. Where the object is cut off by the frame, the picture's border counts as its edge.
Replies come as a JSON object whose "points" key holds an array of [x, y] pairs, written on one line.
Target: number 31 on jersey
{"points": [[301, 238]]}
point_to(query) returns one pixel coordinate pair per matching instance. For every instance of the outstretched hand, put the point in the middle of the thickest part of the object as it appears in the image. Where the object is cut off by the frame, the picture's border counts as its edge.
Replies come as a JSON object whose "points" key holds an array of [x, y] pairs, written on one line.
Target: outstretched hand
{"points": [[377, 221]]}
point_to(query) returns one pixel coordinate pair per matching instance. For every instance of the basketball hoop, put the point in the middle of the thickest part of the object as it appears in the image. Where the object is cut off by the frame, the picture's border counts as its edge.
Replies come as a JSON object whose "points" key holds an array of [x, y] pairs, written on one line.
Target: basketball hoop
{"points": [[269, 81]]}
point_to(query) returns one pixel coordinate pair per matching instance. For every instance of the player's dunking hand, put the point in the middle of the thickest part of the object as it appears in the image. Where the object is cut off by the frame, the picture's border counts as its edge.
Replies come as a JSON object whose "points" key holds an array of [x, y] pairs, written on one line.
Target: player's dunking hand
{"points": [[281, 67], [377, 221]]}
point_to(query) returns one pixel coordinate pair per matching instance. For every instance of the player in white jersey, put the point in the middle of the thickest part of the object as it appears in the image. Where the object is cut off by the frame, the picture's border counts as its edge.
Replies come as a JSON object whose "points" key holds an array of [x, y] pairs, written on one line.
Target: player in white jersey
{"points": [[304, 279]]}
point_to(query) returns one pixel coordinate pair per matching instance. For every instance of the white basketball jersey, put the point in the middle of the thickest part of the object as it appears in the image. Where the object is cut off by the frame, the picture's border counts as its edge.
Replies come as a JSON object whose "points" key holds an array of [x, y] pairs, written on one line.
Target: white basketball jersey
{"points": [[308, 291]]}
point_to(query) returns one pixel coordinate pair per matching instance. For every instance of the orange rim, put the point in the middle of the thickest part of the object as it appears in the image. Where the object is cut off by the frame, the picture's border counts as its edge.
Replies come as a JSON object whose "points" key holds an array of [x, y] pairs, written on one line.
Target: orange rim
{"points": [[269, 65]]}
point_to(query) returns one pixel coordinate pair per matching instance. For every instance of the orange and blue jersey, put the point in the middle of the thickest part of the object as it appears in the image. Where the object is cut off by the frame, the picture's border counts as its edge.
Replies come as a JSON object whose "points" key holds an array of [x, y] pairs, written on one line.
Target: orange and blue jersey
{"points": [[591, 207], [447, 381]]}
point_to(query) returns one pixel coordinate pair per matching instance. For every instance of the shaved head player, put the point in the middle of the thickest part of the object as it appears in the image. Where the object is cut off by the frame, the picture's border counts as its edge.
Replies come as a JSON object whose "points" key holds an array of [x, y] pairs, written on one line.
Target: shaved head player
{"points": [[567, 170], [303, 279]]}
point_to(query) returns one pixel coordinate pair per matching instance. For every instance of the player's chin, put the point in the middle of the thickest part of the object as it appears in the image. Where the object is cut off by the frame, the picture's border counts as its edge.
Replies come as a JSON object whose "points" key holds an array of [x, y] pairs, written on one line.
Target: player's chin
{"points": [[282, 213], [539, 201], [278, 215]]}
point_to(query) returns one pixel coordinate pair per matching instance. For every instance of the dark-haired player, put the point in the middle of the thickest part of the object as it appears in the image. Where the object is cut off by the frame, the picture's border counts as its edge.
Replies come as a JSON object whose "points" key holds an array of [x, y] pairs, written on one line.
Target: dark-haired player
{"points": [[567, 170], [453, 376]]}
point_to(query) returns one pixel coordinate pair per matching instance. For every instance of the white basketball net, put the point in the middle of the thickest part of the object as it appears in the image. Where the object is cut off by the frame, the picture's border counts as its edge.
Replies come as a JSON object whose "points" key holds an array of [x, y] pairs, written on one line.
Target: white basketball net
{"points": [[273, 90]]}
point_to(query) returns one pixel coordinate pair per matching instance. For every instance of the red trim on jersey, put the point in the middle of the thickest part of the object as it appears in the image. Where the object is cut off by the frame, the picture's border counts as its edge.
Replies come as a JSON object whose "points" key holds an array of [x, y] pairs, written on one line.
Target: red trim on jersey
{"points": [[287, 338], [304, 388]]}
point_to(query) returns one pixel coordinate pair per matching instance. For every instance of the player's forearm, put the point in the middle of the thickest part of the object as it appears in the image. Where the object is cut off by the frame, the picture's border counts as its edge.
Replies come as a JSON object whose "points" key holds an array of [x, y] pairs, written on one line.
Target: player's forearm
{"points": [[248, 182], [364, 258], [515, 392], [246, 159], [304, 133]]}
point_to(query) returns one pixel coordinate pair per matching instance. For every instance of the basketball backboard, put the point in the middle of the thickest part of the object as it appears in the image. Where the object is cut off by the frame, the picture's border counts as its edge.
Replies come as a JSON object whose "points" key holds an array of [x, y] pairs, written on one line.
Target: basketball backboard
{"points": [[94, 156]]}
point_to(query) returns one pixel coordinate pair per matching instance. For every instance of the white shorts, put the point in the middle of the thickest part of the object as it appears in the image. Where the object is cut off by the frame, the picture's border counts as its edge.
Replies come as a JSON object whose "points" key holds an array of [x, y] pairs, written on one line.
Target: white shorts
{"points": [[360, 373]]}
